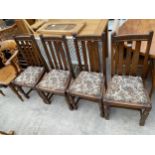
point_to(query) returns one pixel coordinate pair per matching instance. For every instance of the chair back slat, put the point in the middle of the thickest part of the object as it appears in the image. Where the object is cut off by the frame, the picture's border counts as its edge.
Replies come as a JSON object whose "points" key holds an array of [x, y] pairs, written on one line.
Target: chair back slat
{"points": [[57, 52], [83, 43], [63, 56], [128, 58], [126, 52], [94, 56], [135, 58], [114, 58], [53, 54], [120, 57], [78, 53], [48, 53], [30, 51], [89, 50]]}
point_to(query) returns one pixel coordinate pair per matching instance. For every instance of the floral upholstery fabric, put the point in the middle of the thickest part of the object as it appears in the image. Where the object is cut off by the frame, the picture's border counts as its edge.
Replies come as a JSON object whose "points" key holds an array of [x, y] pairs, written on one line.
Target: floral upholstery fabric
{"points": [[29, 76], [126, 89], [87, 83], [54, 80]]}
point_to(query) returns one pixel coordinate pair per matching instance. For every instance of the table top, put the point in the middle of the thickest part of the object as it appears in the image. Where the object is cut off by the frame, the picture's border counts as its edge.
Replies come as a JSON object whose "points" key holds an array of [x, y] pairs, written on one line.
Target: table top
{"points": [[93, 27], [139, 26]]}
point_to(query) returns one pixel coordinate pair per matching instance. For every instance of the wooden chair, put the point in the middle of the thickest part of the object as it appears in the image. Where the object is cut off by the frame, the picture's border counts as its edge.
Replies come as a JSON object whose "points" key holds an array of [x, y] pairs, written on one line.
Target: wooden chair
{"points": [[126, 88], [10, 69], [36, 65], [60, 71], [91, 80]]}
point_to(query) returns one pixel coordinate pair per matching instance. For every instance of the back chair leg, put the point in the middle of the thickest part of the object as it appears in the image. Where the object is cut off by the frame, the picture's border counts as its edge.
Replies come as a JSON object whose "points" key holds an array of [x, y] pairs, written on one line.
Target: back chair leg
{"points": [[15, 91], [144, 116], [71, 107]]}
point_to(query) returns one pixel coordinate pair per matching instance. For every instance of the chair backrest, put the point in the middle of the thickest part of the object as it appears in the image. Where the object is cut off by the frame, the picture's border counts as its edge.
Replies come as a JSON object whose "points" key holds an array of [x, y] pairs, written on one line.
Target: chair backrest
{"points": [[91, 53], [30, 51], [125, 54], [57, 52]]}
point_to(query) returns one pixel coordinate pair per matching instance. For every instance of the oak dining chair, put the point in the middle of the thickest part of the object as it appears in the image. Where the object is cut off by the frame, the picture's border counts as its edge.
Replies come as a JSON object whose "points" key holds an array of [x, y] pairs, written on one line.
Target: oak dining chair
{"points": [[91, 81], [37, 66], [126, 88], [60, 72]]}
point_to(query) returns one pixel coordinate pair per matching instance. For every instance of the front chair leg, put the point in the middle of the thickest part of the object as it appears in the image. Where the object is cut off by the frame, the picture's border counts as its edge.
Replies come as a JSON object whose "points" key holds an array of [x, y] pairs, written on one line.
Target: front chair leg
{"points": [[72, 101], [144, 116], [15, 91], [71, 107], [101, 108], [44, 98], [23, 92], [106, 111]]}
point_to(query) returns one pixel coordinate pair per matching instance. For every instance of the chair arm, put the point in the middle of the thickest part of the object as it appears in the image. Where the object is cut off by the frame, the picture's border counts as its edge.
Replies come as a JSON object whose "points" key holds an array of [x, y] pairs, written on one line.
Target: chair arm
{"points": [[11, 58]]}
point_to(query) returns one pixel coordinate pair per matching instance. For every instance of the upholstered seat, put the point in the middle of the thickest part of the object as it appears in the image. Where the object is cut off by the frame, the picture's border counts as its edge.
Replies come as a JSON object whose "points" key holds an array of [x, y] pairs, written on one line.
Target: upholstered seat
{"points": [[54, 80], [30, 76], [127, 89], [87, 83]]}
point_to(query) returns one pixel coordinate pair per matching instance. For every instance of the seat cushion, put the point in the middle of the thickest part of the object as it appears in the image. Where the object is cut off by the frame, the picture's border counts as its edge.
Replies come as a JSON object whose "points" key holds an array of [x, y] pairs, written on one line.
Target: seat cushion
{"points": [[30, 76], [126, 89], [54, 80], [87, 83]]}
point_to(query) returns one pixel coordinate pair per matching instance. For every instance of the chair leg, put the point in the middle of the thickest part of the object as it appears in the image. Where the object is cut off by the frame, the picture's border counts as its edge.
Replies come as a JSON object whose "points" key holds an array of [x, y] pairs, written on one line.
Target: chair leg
{"points": [[15, 91], [68, 102], [101, 108], [144, 116], [106, 111], [44, 98], [1, 92], [23, 92], [72, 101]]}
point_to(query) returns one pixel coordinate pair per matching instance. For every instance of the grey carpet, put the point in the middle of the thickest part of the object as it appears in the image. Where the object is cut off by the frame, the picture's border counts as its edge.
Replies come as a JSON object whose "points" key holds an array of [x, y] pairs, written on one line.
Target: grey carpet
{"points": [[35, 117]]}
